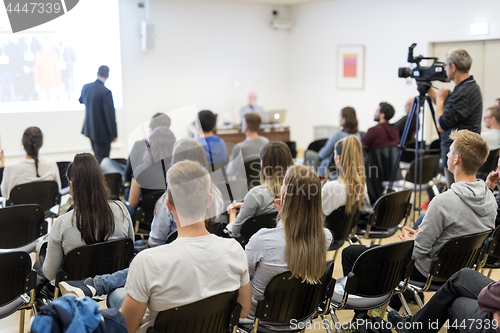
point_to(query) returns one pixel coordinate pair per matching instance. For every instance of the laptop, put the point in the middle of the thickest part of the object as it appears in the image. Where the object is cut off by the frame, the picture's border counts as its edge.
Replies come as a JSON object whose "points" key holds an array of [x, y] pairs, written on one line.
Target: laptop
{"points": [[276, 116]]}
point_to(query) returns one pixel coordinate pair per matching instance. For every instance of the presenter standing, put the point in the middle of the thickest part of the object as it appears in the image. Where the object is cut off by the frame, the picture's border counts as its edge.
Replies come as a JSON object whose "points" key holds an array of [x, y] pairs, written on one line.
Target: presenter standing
{"points": [[100, 123], [252, 107]]}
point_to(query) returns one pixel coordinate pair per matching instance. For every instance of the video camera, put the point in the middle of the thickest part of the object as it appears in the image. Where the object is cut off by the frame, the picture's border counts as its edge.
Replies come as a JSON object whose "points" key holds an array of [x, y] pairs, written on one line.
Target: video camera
{"points": [[423, 74]]}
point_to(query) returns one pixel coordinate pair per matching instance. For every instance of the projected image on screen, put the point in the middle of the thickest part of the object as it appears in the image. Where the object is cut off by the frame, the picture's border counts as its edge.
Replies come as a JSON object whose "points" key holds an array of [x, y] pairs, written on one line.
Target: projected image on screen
{"points": [[45, 68], [36, 69]]}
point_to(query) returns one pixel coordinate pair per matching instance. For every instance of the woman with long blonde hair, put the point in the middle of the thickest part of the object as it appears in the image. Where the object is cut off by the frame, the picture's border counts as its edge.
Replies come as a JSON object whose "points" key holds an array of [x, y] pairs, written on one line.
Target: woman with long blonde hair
{"points": [[349, 189], [299, 242], [275, 159]]}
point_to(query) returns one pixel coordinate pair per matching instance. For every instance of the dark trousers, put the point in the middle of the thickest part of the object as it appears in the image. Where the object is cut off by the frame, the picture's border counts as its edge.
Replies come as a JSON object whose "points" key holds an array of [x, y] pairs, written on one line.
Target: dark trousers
{"points": [[349, 256], [456, 300], [101, 150]]}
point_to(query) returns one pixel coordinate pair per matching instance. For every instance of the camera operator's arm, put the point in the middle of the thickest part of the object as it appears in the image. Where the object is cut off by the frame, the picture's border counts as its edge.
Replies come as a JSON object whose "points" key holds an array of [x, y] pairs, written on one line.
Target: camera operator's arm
{"points": [[433, 94], [441, 97]]}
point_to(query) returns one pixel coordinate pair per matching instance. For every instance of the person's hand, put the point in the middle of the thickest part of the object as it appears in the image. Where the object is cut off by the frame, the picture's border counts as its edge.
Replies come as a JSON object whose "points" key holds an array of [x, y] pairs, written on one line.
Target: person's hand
{"points": [[407, 234], [496, 316], [443, 94], [231, 209], [115, 139], [277, 204], [492, 179]]}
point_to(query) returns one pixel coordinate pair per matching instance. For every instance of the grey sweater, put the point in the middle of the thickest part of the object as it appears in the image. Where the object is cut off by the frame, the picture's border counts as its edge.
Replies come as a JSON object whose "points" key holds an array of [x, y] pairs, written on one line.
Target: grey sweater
{"points": [[64, 236], [465, 209]]}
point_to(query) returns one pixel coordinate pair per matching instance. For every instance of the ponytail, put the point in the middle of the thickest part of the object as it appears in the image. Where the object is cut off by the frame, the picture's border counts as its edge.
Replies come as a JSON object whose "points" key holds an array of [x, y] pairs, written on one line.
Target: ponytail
{"points": [[32, 142]]}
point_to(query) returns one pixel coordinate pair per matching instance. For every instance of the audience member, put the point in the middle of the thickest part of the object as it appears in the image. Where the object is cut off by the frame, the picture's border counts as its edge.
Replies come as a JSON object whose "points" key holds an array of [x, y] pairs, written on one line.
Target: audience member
{"points": [[299, 242], [467, 208], [460, 109], [251, 107], [31, 169], [497, 102], [94, 219], [400, 124], [384, 134], [492, 122], [135, 158], [163, 224], [469, 300], [215, 147], [349, 189], [250, 148], [349, 125], [195, 266], [149, 177], [275, 160]]}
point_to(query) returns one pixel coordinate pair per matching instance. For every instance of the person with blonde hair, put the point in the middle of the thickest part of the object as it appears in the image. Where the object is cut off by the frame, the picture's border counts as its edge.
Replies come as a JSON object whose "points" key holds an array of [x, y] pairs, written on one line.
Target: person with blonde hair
{"points": [[299, 242], [275, 159], [349, 189]]}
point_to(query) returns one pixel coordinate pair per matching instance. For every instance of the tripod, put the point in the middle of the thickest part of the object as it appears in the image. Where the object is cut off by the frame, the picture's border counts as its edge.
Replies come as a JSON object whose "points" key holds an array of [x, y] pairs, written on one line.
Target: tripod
{"points": [[416, 108]]}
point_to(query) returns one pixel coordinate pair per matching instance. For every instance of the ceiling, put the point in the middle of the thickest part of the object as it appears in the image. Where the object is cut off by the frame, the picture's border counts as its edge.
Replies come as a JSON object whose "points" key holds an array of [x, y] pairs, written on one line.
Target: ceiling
{"points": [[271, 2]]}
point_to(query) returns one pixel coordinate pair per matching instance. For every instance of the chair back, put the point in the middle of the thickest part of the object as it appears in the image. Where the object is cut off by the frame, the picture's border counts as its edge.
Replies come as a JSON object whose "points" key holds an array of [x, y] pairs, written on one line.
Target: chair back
{"points": [[379, 270], [492, 248], [434, 148], [172, 237], [146, 210], [430, 169], [317, 145], [45, 193], [16, 276], [341, 224], [114, 183], [408, 154], [292, 145], [214, 314], [96, 259], [252, 170], [457, 253], [391, 209], [254, 224], [121, 160], [21, 225], [490, 164], [287, 297], [378, 166], [63, 168]]}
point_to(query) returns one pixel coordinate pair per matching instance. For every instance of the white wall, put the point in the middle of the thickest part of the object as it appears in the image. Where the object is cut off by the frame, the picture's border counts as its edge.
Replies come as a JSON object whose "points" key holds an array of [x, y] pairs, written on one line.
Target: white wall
{"points": [[201, 49], [386, 28]]}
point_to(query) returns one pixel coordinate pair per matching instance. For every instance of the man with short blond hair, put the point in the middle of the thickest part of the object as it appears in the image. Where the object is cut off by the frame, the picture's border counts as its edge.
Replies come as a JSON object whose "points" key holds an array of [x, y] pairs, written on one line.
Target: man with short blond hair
{"points": [[492, 122]]}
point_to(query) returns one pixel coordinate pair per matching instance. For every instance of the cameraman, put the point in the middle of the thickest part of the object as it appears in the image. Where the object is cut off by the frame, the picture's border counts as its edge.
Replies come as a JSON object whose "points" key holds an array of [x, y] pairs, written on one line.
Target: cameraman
{"points": [[460, 109]]}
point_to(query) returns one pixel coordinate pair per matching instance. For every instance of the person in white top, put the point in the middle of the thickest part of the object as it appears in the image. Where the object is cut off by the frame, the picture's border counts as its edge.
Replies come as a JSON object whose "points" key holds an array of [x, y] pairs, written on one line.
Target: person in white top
{"points": [[195, 266], [492, 122], [32, 168], [350, 187]]}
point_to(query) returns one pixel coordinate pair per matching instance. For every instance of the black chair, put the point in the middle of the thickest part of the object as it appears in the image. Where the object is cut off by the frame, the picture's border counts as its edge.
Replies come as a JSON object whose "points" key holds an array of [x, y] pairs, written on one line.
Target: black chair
{"points": [[457, 253], [120, 160], [63, 167], [376, 276], [96, 259], [145, 213], [317, 145], [287, 298], [388, 212], [343, 227], [45, 193], [1, 177], [434, 148], [17, 283], [252, 170], [378, 166], [488, 166], [172, 237], [430, 169], [491, 257], [292, 145], [216, 314], [254, 224], [20, 226], [408, 153], [114, 183]]}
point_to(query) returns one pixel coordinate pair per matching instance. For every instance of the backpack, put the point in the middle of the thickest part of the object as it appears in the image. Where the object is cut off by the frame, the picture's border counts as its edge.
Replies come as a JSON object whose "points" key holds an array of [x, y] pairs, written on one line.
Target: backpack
{"points": [[67, 314]]}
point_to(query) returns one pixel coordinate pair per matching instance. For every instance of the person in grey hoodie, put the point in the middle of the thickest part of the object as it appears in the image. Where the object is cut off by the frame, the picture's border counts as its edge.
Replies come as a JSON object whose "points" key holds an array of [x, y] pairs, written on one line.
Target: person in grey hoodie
{"points": [[468, 207]]}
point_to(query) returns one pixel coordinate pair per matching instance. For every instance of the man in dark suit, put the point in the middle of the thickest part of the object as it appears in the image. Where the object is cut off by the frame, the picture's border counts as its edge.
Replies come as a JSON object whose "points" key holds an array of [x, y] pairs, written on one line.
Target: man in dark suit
{"points": [[100, 122]]}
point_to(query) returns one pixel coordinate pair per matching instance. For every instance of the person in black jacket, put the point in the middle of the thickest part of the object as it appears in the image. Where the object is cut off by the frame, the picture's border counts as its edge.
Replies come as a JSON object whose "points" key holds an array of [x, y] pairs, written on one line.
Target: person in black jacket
{"points": [[100, 123]]}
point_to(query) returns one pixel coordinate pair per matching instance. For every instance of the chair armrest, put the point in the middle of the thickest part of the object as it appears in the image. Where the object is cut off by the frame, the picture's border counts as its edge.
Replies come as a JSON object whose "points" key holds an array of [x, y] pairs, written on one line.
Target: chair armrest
{"points": [[235, 316], [61, 275]]}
